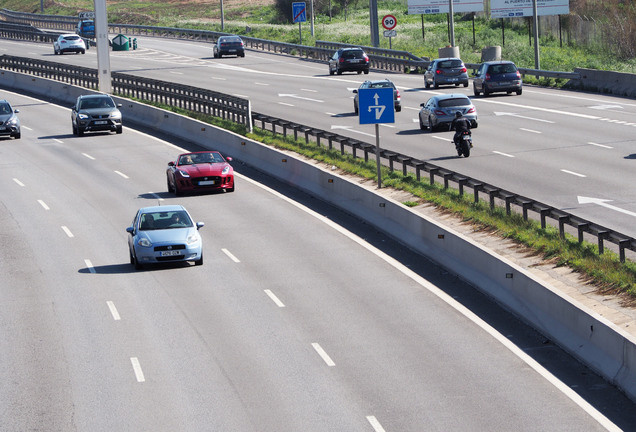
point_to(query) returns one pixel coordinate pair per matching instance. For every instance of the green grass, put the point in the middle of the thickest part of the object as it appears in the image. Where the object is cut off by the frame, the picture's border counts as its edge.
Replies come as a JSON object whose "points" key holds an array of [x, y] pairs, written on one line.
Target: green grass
{"points": [[605, 271]]}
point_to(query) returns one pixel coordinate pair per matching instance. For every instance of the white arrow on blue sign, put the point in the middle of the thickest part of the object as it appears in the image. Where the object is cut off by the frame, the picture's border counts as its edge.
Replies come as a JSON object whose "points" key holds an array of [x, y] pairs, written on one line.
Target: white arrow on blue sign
{"points": [[376, 106], [299, 12]]}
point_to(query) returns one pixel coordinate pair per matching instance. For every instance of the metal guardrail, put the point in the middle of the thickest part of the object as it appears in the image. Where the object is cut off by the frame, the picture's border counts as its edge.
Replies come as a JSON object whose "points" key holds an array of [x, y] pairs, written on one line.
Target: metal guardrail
{"points": [[204, 101], [208, 102]]}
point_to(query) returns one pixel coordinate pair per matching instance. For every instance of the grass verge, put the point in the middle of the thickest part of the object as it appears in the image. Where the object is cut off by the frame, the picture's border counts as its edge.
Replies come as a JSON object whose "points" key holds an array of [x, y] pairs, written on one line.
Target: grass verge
{"points": [[605, 270]]}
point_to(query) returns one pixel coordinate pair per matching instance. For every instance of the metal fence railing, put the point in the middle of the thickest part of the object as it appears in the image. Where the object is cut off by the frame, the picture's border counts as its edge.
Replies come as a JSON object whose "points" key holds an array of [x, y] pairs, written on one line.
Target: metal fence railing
{"points": [[238, 110]]}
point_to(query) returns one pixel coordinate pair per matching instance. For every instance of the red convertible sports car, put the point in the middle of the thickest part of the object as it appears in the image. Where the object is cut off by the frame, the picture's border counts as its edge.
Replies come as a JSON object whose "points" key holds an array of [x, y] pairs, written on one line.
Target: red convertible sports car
{"points": [[200, 171]]}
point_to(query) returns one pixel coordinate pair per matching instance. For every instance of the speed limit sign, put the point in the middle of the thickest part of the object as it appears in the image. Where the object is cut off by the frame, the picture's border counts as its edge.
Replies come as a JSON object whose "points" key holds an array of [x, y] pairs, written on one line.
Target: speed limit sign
{"points": [[389, 22]]}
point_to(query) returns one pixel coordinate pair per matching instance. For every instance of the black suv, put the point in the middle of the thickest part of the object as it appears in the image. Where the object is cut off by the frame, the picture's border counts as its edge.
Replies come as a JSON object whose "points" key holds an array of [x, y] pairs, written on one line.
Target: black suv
{"points": [[385, 83], [229, 45], [97, 112], [349, 60]]}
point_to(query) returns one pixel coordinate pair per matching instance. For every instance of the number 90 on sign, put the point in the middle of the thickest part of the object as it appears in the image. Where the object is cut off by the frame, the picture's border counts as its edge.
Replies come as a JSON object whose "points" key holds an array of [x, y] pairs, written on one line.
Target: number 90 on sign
{"points": [[389, 22]]}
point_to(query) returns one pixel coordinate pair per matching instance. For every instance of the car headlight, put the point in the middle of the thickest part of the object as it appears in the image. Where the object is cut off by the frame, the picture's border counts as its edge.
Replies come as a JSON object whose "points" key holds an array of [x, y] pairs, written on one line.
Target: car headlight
{"points": [[115, 115], [144, 242], [82, 116], [192, 239], [13, 121], [184, 173], [225, 170]]}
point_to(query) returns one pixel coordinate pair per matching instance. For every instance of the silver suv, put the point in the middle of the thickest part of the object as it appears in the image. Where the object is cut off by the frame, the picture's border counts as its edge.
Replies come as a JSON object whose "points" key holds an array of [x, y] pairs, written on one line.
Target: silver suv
{"points": [[98, 112]]}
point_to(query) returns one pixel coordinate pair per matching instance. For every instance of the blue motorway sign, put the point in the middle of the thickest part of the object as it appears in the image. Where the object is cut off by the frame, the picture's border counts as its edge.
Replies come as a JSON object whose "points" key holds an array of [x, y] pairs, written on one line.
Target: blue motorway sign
{"points": [[299, 12], [376, 106]]}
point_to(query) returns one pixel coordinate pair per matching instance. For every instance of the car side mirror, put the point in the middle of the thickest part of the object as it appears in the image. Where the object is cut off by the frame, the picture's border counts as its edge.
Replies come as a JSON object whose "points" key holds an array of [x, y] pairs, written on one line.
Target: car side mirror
{"points": [[422, 104], [119, 105], [171, 163], [355, 91], [130, 230], [229, 159], [16, 111], [200, 225]]}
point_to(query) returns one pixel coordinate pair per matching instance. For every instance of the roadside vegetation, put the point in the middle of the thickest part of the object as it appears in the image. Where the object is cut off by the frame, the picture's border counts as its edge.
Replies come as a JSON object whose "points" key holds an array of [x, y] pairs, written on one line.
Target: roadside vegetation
{"points": [[348, 22]]}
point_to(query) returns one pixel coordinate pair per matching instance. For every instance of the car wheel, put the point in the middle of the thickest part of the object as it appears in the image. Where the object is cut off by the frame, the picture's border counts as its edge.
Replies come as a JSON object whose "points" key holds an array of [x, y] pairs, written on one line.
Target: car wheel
{"points": [[132, 258], [119, 129], [475, 91], [435, 85], [519, 91], [359, 72], [80, 131], [243, 55], [466, 84], [177, 192], [219, 55], [398, 108], [230, 189], [199, 261], [134, 261], [427, 84], [474, 124], [355, 109], [168, 184], [331, 72], [430, 124], [55, 51], [486, 92], [366, 72], [338, 71], [83, 51], [17, 135], [422, 127]]}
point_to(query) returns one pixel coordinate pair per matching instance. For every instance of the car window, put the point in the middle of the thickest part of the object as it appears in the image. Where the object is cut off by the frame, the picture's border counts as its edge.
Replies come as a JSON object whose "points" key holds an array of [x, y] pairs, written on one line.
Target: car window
{"points": [[166, 220], [5, 108], [352, 54], [450, 64], [454, 102], [383, 84], [71, 37]]}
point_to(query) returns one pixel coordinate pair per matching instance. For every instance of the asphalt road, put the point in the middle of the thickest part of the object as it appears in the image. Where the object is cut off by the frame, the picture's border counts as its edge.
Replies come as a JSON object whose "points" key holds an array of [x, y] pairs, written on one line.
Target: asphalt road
{"points": [[575, 151], [300, 319]]}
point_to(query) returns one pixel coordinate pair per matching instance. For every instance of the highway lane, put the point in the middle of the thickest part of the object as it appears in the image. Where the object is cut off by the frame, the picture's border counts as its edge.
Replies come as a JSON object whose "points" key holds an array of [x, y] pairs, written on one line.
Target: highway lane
{"points": [[299, 319], [548, 144]]}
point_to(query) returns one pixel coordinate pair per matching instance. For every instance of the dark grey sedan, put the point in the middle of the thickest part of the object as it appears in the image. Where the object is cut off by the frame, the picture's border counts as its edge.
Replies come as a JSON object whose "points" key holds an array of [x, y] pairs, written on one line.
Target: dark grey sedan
{"points": [[446, 71], [439, 111], [9, 121]]}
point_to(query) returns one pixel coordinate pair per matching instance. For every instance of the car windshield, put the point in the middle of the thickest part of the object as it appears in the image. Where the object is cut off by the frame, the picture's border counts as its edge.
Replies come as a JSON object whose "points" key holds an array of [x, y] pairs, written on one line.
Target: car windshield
{"points": [[5, 108], [72, 37], [450, 64], [444, 103], [352, 54], [502, 68], [164, 220], [92, 103], [231, 40], [200, 158]]}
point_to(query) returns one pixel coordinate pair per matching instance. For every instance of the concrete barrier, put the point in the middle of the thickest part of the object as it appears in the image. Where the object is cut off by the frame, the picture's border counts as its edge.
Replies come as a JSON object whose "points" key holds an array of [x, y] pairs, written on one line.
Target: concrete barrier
{"points": [[595, 341], [616, 83]]}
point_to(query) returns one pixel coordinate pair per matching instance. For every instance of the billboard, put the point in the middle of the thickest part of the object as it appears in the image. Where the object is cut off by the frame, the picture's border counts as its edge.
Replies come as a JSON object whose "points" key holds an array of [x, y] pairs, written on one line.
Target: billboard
{"points": [[441, 6], [523, 8]]}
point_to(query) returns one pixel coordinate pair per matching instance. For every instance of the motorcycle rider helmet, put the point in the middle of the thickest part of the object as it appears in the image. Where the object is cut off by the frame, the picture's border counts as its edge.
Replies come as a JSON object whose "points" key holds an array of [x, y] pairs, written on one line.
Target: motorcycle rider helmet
{"points": [[458, 114]]}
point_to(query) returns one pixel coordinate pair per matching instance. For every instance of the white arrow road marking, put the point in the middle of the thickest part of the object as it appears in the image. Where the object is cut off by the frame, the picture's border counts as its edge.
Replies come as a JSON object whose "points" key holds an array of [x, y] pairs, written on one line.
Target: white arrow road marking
{"points": [[591, 117], [606, 107], [348, 128], [603, 202], [299, 97], [520, 116]]}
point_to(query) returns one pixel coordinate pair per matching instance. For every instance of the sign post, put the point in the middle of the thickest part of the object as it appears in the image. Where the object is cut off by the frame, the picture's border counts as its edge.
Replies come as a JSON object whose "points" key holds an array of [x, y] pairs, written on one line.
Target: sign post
{"points": [[389, 22], [299, 15], [376, 106]]}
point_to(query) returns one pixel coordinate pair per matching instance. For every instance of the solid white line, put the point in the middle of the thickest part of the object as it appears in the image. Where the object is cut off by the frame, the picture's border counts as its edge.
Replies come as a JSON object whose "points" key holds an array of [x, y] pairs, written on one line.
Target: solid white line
{"points": [[67, 231], [232, 257], [503, 154], [89, 266], [600, 145], [323, 354], [18, 182], [387, 125], [309, 90], [530, 130], [122, 174], [137, 368], [176, 73], [27, 128], [88, 156], [538, 368], [43, 204], [261, 84], [241, 96], [217, 78], [573, 173], [58, 140], [441, 138], [286, 104], [113, 310], [274, 298], [377, 427]]}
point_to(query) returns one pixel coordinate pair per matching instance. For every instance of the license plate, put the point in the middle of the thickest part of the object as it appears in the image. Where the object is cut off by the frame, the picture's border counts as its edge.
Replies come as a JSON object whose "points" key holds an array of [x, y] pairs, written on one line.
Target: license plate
{"points": [[453, 79], [101, 122], [170, 253], [232, 50], [206, 182], [505, 83], [3, 128]]}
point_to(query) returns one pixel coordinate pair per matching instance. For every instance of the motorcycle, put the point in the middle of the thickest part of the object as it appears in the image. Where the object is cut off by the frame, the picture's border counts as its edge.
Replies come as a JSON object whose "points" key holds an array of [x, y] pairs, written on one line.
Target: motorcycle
{"points": [[464, 143]]}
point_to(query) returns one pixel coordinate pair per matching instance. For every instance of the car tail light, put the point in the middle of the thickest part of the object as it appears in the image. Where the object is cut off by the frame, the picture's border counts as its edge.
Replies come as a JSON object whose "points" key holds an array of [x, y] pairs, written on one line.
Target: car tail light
{"points": [[341, 60], [487, 77], [439, 112], [366, 58], [518, 75], [439, 72], [470, 110], [463, 69], [397, 94]]}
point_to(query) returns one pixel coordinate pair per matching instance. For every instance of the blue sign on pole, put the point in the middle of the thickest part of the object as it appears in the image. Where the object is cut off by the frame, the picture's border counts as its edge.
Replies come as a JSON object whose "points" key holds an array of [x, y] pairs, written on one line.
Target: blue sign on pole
{"points": [[376, 106], [299, 12]]}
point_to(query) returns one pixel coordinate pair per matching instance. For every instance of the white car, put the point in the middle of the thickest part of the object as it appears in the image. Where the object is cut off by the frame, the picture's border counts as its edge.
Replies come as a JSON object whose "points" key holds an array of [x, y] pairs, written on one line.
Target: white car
{"points": [[69, 43]]}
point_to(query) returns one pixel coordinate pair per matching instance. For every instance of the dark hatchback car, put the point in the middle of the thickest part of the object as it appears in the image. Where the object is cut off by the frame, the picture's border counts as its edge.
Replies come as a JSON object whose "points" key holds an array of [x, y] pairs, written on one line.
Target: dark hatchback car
{"points": [[86, 28], [446, 71], [96, 112], [9, 121], [378, 84], [349, 60], [497, 76], [229, 45]]}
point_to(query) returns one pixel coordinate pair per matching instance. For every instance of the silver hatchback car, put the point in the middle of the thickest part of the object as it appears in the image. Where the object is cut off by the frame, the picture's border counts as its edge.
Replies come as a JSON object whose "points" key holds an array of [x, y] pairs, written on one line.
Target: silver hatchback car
{"points": [[446, 71], [439, 111]]}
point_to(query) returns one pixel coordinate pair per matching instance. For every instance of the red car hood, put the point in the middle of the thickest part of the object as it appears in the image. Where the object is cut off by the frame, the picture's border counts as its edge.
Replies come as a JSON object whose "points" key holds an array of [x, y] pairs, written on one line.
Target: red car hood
{"points": [[204, 169]]}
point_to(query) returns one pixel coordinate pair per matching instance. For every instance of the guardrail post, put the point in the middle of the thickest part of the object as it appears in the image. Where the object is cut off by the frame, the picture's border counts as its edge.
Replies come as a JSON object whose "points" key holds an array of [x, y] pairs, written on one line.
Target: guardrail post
{"points": [[418, 166], [404, 160], [476, 188], [601, 236], [431, 174], [447, 176], [544, 212], [461, 182], [508, 198], [621, 249], [581, 228]]}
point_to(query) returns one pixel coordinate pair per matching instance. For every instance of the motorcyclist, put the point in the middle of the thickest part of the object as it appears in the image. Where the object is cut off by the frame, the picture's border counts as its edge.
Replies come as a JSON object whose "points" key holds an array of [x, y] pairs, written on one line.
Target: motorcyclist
{"points": [[461, 124]]}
